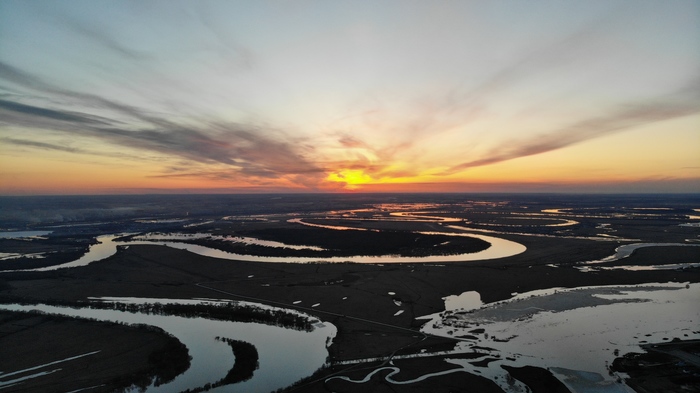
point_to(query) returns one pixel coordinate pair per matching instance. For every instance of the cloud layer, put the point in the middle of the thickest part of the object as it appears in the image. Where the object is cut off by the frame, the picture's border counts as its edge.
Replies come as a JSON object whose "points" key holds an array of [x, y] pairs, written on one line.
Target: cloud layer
{"points": [[245, 149], [303, 95]]}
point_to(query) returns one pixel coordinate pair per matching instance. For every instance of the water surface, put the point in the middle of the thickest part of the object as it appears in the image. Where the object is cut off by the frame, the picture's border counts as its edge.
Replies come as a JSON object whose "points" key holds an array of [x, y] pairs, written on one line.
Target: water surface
{"points": [[22, 234]]}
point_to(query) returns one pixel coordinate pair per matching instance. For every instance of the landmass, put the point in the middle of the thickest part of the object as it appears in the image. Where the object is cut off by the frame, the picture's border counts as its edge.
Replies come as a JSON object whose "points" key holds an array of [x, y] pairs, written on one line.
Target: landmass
{"points": [[362, 300]]}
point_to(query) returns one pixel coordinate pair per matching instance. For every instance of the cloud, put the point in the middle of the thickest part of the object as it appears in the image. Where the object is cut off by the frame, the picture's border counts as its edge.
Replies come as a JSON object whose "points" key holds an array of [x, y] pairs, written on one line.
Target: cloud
{"points": [[683, 103], [245, 148], [242, 147], [349, 141], [100, 37], [453, 111], [73, 117], [41, 145], [18, 77], [66, 148], [227, 46], [86, 100]]}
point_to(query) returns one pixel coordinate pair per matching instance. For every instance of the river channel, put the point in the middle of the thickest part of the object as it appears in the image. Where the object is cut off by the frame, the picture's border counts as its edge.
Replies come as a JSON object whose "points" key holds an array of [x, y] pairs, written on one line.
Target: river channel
{"points": [[107, 246], [285, 355]]}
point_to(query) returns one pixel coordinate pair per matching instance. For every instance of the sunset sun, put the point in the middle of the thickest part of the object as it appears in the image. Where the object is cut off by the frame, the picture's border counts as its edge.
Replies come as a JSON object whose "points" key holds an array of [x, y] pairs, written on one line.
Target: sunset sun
{"points": [[353, 178]]}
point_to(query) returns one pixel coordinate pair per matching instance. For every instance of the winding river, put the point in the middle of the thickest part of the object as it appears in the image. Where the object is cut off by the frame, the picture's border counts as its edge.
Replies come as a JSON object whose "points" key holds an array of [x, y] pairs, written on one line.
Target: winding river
{"points": [[499, 248], [107, 246], [211, 358]]}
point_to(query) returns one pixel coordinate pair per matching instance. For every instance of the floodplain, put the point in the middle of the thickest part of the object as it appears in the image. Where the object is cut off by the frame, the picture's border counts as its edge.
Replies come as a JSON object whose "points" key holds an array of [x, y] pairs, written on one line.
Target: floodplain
{"points": [[400, 292]]}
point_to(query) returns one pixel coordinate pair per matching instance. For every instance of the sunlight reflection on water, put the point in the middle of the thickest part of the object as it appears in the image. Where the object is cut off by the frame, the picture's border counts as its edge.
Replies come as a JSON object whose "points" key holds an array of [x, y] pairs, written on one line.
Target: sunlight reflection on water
{"points": [[107, 247]]}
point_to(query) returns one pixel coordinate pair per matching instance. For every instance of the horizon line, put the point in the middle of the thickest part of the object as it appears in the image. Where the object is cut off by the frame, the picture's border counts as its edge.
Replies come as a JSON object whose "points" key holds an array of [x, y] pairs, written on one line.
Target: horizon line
{"points": [[232, 193]]}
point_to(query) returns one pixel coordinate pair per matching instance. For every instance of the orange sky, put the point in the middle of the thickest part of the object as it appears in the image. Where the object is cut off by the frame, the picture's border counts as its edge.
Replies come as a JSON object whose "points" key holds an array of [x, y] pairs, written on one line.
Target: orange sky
{"points": [[370, 97]]}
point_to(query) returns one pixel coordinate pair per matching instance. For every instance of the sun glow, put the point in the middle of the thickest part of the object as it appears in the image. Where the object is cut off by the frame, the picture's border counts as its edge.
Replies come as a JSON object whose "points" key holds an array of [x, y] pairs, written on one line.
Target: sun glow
{"points": [[353, 178]]}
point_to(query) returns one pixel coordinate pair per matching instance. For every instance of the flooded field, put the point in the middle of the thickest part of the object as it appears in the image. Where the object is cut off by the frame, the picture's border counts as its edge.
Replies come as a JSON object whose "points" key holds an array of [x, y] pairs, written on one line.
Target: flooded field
{"points": [[577, 333]]}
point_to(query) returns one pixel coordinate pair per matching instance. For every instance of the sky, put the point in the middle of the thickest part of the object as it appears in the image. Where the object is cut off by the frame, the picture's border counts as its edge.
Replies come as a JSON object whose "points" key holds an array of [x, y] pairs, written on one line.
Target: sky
{"points": [[104, 97]]}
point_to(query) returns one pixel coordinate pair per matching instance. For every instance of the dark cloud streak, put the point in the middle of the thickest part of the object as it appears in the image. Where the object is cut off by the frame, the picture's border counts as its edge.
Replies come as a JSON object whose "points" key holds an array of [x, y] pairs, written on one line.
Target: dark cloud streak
{"points": [[247, 149], [41, 145], [26, 80], [73, 117], [69, 149]]}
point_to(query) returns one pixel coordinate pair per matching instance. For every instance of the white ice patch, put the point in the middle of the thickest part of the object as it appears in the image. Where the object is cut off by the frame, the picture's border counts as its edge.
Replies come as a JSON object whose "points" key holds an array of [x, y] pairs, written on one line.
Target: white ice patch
{"points": [[467, 301]]}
